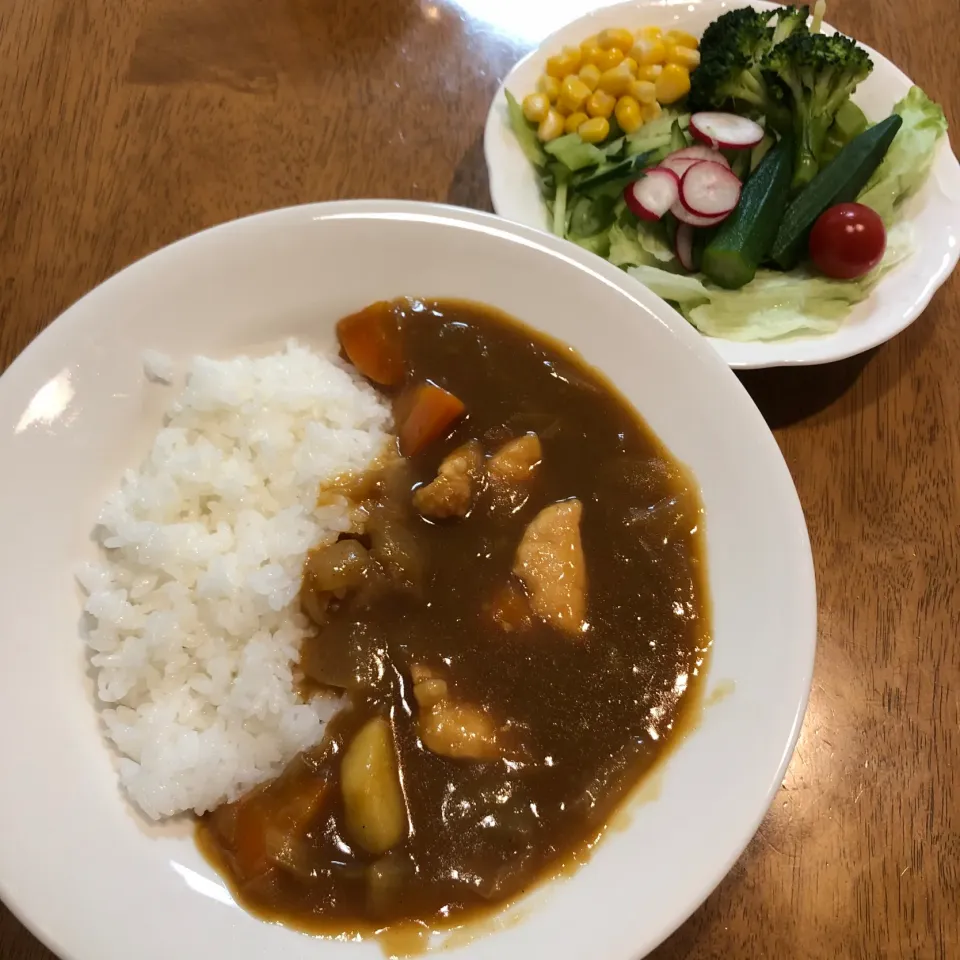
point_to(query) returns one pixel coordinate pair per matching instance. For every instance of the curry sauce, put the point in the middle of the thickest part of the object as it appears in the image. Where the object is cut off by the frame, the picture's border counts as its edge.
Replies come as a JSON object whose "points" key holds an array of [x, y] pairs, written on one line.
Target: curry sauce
{"points": [[518, 633]]}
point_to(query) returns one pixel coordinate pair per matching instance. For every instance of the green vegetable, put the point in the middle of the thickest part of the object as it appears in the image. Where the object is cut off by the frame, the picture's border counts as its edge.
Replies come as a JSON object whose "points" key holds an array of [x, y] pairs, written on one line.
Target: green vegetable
{"points": [[773, 304], [642, 242], [589, 217], [560, 211], [730, 73], [840, 182], [677, 139], [657, 134], [849, 122], [820, 73], [574, 153], [525, 134], [907, 163], [744, 239], [621, 170]]}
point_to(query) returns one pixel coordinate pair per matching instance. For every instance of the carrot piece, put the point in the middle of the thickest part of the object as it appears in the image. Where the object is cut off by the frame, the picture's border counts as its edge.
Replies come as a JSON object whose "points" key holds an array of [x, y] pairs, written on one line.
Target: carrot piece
{"points": [[430, 412], [371, 340]]}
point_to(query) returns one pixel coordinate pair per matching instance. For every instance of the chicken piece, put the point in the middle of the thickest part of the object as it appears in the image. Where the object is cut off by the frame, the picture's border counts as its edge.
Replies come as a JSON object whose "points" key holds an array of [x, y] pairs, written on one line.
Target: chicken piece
{"points": [[451, 493], [514, 463], [509, 609], [551, 565], [448, 728]]}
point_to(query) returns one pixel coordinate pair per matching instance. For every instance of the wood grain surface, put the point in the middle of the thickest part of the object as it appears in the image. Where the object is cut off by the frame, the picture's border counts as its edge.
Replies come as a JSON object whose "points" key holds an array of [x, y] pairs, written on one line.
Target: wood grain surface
{"points": [[127, 125]]}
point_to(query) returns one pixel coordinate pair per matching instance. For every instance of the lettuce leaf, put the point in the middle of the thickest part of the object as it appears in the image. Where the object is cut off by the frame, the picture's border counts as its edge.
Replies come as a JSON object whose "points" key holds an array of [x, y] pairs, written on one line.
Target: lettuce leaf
{"points": [[525, 134], [773, 304], [908, 161], [645, 243]]}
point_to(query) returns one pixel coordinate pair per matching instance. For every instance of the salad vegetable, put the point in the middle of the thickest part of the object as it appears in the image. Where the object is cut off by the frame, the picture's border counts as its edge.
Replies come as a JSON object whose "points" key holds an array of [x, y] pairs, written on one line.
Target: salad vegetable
{"points": [[739, 156]]}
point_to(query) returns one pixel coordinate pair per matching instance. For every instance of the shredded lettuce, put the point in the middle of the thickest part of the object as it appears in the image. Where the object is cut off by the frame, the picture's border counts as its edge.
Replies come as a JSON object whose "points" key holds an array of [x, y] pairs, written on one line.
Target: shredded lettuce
{"points": [[525, 134], [773, 304], [908, 161], [645, 243]]}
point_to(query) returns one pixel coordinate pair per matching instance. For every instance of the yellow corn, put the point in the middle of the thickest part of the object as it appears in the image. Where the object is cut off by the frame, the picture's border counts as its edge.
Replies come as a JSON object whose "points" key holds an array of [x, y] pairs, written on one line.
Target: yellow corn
{"points": [[615, 81], [684, 56], [550, 86], [643, 91], [600, 104], [574, 121], [564, 63], [573, 92], [595, 130], [590, 75], [646, 51], [617, 37], [551, 126], [535, 107], [590, 51], [628, 114], [608, 59], [683, 39], [650, 111], [649, 33], [650, 72], [628, 63], [673, 83]]}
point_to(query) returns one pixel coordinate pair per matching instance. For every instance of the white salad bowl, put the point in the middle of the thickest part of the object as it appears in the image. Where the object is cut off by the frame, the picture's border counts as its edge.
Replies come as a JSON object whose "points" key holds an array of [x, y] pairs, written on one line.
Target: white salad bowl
{"points": [[85, 873], [933, 213]]}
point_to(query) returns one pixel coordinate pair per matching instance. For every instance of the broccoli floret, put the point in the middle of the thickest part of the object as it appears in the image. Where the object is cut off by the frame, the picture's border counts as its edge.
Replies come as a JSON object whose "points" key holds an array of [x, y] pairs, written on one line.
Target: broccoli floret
{"points": [[820, 73], [788, 21], [731, 50]]}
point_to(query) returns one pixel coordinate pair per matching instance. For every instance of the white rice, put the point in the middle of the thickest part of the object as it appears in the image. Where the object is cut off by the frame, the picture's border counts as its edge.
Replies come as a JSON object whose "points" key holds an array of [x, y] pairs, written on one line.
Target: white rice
{"points": [[195, 602]]}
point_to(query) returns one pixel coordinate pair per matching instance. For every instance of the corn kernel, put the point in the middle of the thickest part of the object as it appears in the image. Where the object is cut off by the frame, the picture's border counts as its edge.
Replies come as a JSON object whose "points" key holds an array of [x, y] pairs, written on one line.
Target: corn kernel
{"points": [[600, 104], [551, 126], [590, 75], [649, 33], [628, 114], [628, 63], [549, 86], [646, 52], [683, 39], [643, 91], [573, 122], [573, 93], [590, 52], [617, 37], [564, 63], [535, 107], [615, 81], [595, 130], [650, 111], [684, 56], [608, 59], [673, 83], [650, 72]]}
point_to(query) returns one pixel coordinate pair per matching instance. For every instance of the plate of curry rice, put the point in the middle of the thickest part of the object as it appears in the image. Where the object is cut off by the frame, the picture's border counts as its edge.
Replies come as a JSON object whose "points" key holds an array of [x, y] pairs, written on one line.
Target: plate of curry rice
{"points": [[385, 612]]}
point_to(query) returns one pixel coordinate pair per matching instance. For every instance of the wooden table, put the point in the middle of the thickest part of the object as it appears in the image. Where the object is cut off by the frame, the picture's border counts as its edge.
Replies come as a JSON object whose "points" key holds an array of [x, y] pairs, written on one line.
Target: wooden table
{"points": [[129, 125]]}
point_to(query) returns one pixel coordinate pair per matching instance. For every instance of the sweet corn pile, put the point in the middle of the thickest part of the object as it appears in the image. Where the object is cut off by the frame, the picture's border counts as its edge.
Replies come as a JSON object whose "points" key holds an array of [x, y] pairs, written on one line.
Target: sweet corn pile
{"points": [[617, 73]]}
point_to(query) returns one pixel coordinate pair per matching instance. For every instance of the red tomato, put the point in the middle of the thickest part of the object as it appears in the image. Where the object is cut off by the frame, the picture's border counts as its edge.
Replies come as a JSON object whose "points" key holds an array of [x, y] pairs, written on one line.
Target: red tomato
{"points": [[847, 241]]}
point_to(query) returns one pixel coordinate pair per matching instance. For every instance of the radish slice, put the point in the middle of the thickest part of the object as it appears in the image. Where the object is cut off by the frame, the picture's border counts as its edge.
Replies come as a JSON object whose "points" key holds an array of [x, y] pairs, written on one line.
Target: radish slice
{"points": [[725, 131], [696, 152], [654, 194], [683, 244], [709, 189], [685, 216]]}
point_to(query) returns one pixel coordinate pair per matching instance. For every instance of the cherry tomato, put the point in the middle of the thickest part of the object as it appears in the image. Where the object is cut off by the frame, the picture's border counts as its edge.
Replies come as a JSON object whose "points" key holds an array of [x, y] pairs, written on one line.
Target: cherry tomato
{"points": [[847, 241]]}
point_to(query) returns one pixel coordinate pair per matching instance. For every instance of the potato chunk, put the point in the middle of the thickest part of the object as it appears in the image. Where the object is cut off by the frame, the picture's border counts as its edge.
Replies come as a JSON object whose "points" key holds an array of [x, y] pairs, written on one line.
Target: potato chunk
{"points": [[376, 814]]}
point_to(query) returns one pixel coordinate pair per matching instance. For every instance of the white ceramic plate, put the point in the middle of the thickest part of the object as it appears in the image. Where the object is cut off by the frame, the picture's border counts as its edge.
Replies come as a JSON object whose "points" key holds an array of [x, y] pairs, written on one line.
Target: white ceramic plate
{"points": [[75, 863], [897, 300]]}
